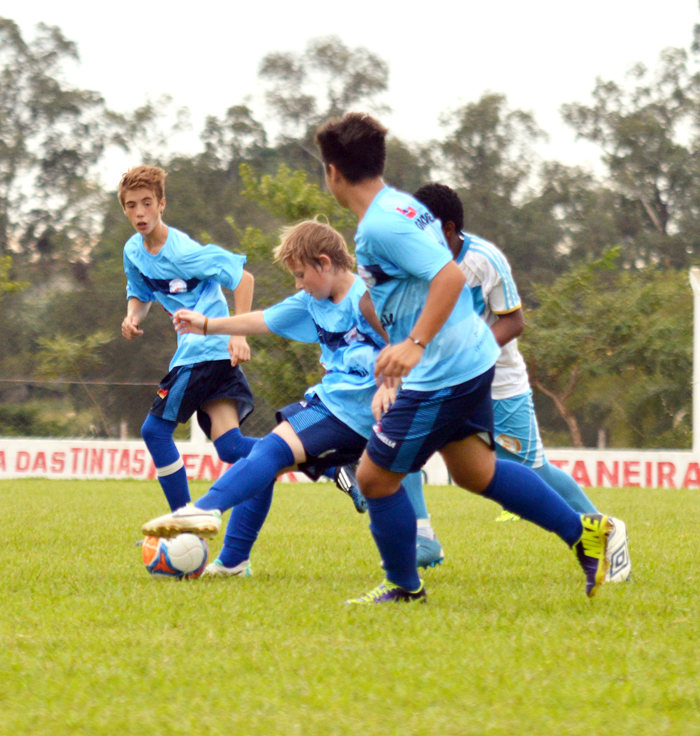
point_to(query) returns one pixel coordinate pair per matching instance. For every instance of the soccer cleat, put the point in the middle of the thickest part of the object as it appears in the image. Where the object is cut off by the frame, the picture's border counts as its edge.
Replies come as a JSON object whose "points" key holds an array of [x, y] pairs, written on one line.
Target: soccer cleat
{"points": [[345, 480], [217, 570], [202, 522], [428, 552], [387, 592], [591, 550], [617, 554], [507, 516]]}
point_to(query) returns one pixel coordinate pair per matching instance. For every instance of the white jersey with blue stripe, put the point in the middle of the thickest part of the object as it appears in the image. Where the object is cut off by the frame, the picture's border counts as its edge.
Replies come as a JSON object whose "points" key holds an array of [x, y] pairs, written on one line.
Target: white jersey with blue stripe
{"points": [[349, 349], [400, 249], [185, 275], [494, 292]]}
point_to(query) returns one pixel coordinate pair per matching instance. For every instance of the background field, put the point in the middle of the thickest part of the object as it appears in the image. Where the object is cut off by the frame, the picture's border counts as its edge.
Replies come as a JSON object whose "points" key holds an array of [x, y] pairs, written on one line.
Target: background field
{"points": [[508, 643]]}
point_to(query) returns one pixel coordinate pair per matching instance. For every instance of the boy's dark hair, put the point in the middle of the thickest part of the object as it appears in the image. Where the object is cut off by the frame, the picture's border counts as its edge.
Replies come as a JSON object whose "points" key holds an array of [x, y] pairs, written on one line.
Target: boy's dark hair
{"points": [[443, 202], [143, 177], [355, 145]]}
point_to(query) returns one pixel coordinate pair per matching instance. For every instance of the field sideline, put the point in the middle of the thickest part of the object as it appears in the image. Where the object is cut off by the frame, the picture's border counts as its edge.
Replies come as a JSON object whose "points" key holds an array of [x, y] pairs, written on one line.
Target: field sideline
{"points": [[508, 643]]}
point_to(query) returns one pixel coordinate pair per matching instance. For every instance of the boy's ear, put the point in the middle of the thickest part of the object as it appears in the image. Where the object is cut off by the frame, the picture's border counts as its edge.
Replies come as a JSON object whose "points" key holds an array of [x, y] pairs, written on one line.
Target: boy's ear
{"points": [[325, 261]]}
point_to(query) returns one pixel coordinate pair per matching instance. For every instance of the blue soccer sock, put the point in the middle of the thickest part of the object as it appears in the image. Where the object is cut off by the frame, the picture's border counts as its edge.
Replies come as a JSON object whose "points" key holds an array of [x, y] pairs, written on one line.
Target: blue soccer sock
{"points": [[157, 433], [243, 528], [393, 526], [413, 483], [566, 487], [250, 476], [521, 491], [233, 445]]}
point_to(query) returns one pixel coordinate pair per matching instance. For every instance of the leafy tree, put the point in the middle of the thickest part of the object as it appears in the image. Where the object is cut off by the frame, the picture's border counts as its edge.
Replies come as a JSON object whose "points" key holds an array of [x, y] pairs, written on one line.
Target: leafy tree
{"points": [[612, 348], [73, 358], [649, 134], [327, 80], [51, 136], [488, 155]]}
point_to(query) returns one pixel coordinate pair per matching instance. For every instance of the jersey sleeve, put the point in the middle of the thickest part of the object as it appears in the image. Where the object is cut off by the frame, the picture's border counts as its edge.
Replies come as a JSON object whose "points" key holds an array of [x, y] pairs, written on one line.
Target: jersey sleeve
{"points": [[497, 284], [136, 287], [291, 319], [214, 263]]}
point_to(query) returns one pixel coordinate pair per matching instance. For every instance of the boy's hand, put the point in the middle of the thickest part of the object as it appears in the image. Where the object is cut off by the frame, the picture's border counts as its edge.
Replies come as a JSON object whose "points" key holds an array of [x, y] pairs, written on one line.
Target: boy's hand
{"points": [[397, 361], [187, 322], [239, 350], [130, 327], [384, 398]]}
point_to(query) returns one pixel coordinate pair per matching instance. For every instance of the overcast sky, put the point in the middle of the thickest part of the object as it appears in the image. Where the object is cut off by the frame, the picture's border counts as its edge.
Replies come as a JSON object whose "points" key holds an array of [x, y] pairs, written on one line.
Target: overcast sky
{"points": [[206, 54]]}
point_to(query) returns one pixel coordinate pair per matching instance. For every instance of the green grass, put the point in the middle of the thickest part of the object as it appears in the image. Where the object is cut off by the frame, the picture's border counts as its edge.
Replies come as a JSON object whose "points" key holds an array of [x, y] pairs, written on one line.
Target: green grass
{"points": [[508, 643]]}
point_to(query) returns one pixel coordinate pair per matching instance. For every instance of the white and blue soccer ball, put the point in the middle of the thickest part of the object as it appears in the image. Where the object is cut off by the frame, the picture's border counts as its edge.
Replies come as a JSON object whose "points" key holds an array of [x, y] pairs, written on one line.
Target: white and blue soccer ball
{"points": [[184, 556]]}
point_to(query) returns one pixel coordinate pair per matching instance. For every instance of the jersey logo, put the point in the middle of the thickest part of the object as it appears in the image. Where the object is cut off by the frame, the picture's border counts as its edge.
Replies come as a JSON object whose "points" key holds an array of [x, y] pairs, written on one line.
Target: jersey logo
{"points": [[382, 437], [353, 335], [163, 392], [387, 320], [177, 286], [512, 444], [408, 212]]}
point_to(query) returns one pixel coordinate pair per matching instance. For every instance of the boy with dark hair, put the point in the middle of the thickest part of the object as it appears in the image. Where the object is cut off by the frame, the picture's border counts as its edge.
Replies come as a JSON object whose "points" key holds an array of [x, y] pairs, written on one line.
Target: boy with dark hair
{"points": [[496, 300], [164, 265], [445, 355], [330, 427]]}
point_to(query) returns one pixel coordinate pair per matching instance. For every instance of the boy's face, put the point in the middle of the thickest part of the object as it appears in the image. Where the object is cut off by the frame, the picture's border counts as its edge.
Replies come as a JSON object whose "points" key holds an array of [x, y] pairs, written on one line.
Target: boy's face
{"points": [[143, 210], [314, 280]]}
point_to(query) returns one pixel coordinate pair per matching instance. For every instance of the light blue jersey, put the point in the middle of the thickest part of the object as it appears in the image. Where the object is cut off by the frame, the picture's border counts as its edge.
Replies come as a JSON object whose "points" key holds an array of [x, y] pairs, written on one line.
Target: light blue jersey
{"points": [[185, 275], [349, 349], [400, 249]]}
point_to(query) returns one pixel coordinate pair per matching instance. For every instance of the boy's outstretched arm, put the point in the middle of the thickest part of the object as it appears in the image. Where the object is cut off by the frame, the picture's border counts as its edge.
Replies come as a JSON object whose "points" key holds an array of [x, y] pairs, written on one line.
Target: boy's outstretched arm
{"points": [[136, 310], [238, 347], [193, 323], [396, 361]]}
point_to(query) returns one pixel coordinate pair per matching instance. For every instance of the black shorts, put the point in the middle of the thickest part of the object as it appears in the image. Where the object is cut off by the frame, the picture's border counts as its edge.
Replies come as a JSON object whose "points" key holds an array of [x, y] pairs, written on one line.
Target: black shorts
{"points": [[183, 391]]}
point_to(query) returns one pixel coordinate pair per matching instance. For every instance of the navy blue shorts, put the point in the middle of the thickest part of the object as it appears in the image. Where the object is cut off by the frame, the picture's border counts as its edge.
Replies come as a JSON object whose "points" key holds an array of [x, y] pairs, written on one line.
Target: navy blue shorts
{"points": [[183, 391], [327, 441], [420, 423]]}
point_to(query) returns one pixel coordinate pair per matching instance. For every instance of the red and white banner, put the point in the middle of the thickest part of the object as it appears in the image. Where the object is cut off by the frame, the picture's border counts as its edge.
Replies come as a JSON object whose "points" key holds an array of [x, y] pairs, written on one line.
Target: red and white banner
{"points": [[36, 458]]}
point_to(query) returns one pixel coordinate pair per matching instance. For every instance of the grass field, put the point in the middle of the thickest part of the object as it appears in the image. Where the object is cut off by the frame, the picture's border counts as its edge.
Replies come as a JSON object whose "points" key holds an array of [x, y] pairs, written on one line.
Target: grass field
{"points": [[508, 643]]}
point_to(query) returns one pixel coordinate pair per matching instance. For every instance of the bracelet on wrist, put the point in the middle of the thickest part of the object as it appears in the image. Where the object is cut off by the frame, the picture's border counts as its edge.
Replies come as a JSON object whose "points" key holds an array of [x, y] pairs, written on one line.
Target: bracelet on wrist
{"points": [[206, 324], [416, 342]]}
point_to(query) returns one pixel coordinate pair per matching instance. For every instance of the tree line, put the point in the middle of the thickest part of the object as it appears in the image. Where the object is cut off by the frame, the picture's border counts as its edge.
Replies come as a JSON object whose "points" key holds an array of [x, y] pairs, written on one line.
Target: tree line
{"points": [[601, 260]]}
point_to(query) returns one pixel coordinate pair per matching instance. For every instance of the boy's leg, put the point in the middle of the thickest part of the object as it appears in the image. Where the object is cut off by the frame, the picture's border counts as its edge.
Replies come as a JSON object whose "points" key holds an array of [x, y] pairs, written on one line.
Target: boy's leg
{"points": [[247, 479], [518, 439], [244, 525], [225, 431], [566, 487], [392, 523], [520, 490], [157, 433], [428, 549]]}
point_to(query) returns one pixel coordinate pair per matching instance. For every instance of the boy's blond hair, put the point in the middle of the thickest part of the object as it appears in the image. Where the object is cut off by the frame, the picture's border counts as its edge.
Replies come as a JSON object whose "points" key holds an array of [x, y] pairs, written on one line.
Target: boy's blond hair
{"points": [[143, 177], [303, 243]]}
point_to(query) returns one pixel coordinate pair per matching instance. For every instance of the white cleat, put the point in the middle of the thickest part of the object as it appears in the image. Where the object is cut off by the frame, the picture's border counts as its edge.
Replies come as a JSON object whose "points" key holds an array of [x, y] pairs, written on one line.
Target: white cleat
{"points": [[201, 522], [617, 553], [217, 570]]}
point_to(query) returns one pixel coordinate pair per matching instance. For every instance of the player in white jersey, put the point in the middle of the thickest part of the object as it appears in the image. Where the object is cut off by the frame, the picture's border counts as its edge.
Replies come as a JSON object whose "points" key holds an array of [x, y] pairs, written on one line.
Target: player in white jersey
{"points": [[164, 265], [496, 299], [444, 354]]}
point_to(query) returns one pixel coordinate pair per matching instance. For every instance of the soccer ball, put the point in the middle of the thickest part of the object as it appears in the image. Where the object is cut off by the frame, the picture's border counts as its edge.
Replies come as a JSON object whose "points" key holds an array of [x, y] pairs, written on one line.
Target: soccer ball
{"points": [[184, 556]]}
